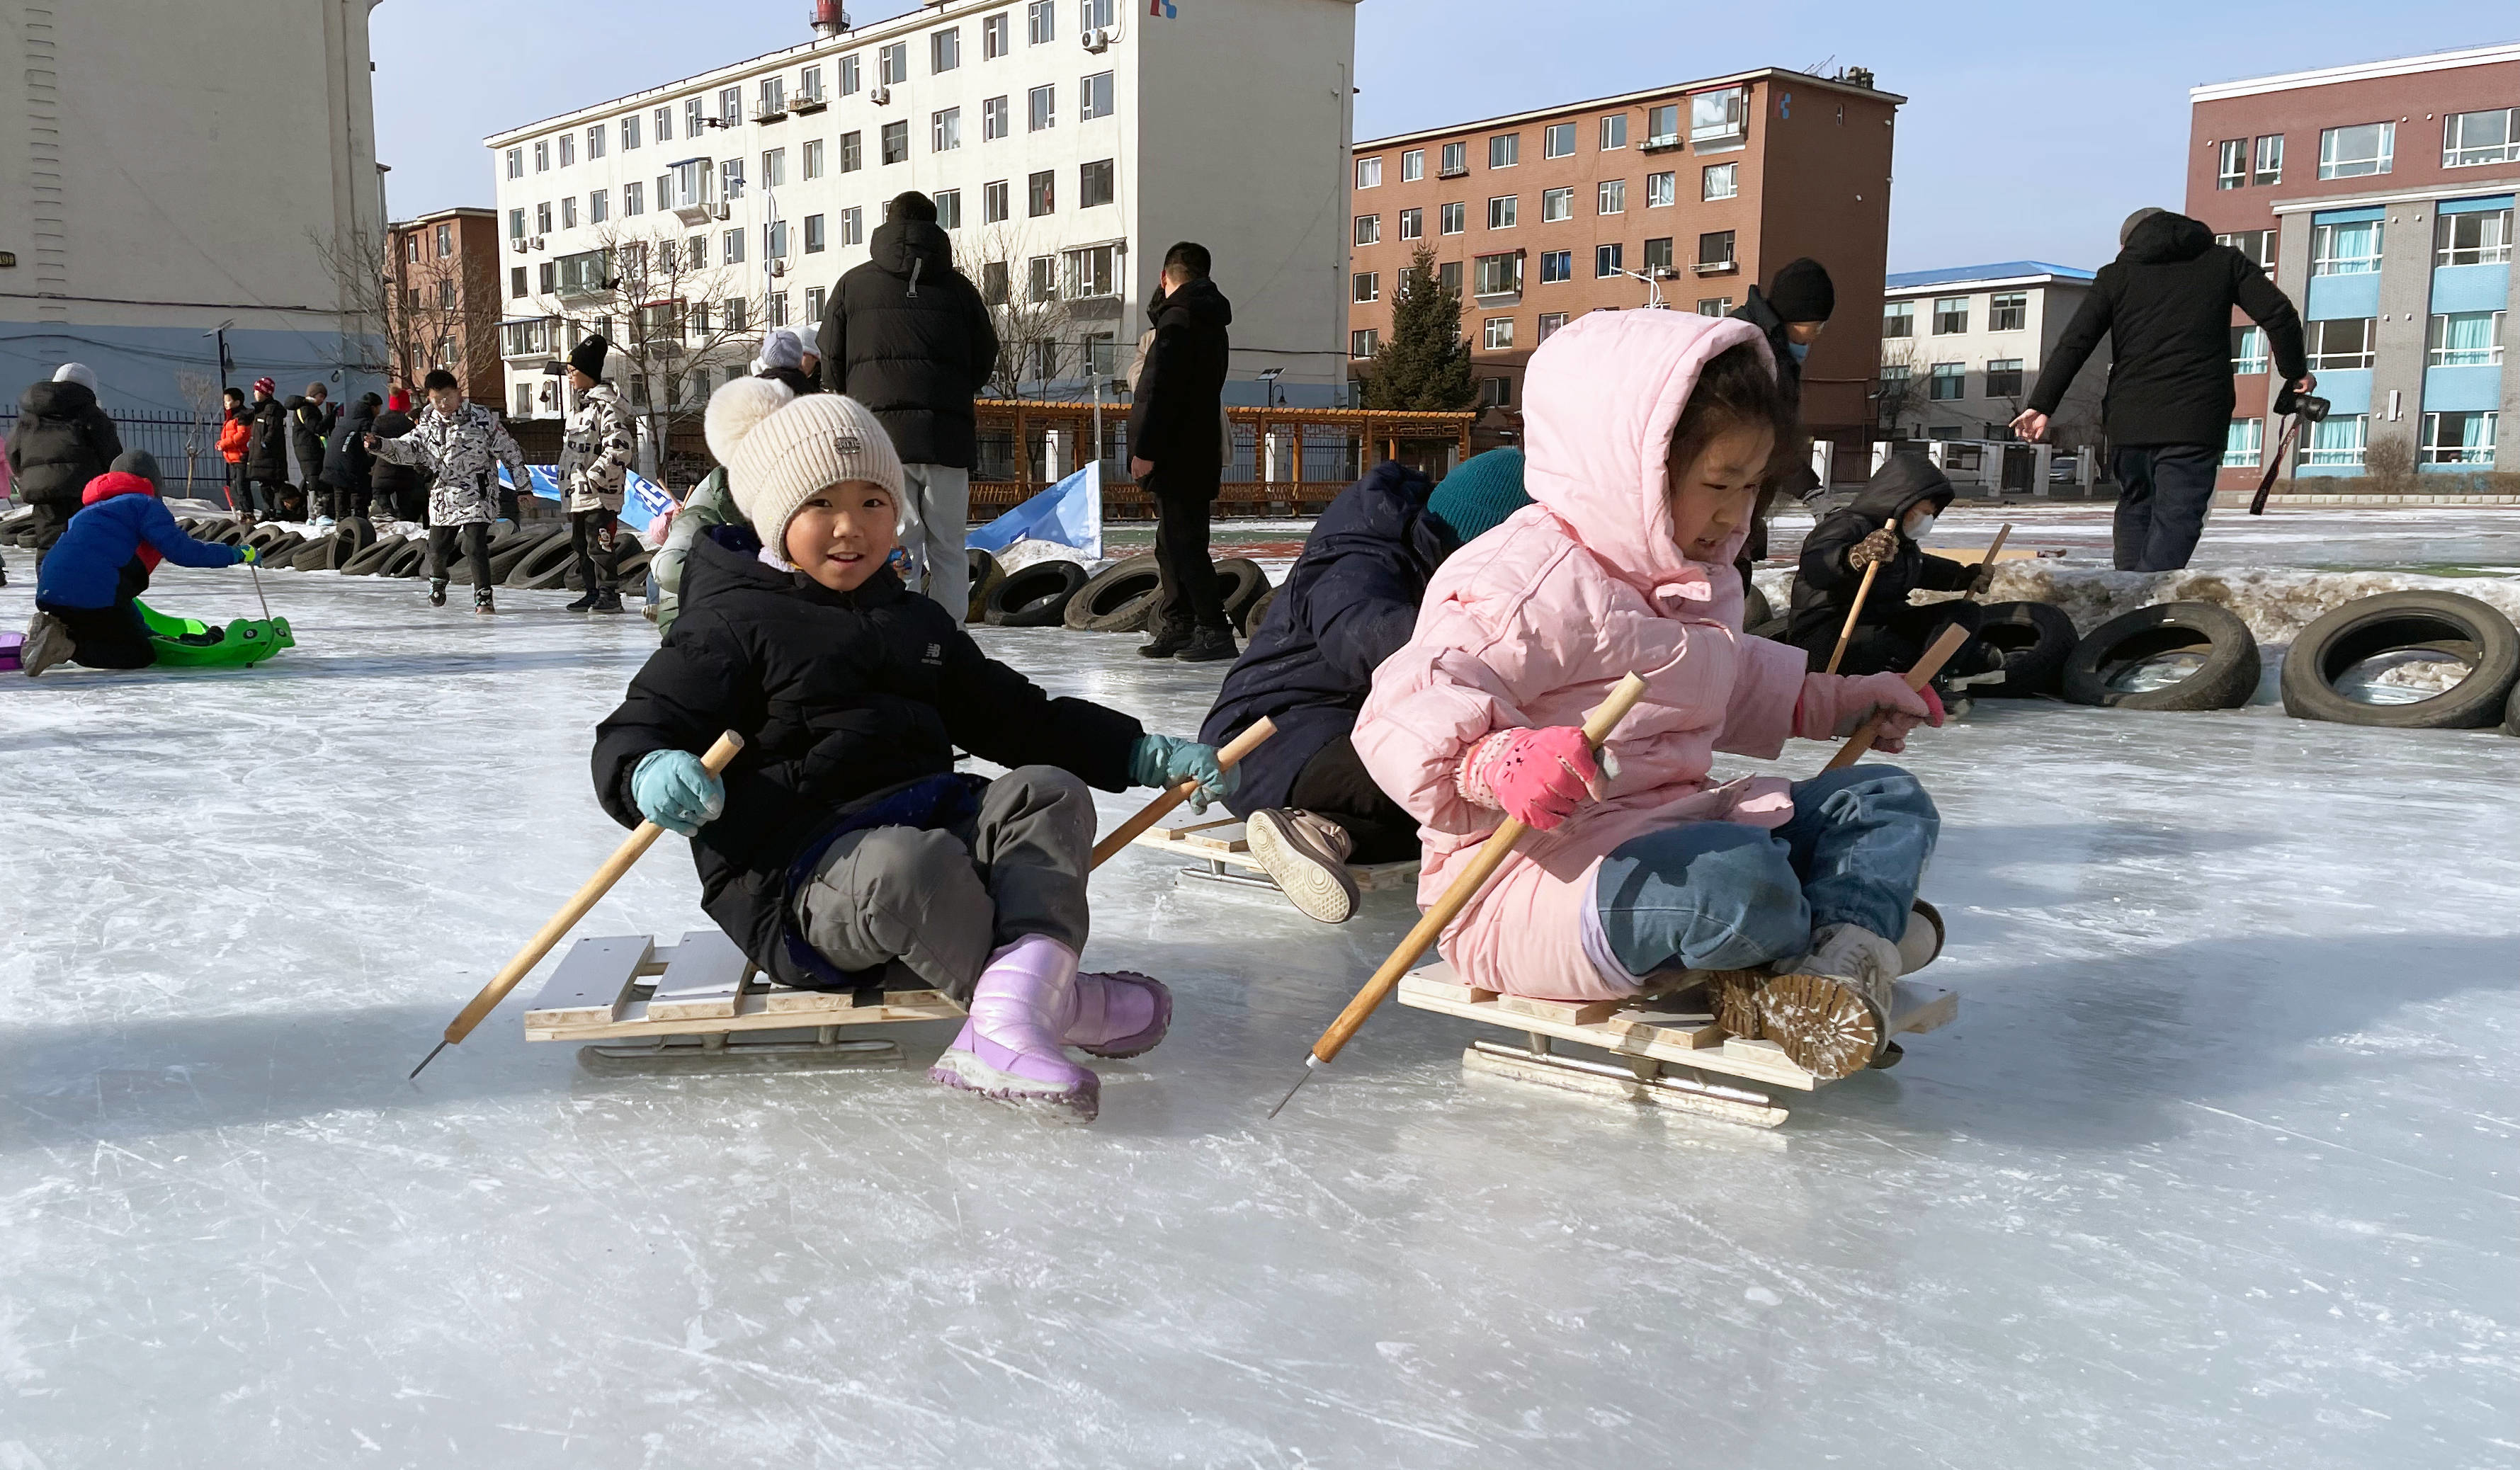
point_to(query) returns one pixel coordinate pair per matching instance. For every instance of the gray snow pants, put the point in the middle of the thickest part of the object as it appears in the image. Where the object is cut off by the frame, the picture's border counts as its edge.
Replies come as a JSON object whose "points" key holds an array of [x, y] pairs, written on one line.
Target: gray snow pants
{"points": [[940, 901]]}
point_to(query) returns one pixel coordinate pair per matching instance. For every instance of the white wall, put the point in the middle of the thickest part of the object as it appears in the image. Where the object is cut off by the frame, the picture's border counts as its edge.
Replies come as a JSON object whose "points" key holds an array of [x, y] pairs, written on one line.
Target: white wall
{"points": [[2052, 304]]}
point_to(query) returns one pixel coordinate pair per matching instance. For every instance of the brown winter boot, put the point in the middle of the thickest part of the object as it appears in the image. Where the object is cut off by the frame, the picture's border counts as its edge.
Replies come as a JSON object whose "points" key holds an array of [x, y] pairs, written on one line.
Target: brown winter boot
{"points": [[1829, 1009]]}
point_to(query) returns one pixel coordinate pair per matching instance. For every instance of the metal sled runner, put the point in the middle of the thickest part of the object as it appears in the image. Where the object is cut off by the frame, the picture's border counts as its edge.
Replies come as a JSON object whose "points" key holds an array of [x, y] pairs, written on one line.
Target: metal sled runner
{"points": [[637, 1005], [1222, 854]]}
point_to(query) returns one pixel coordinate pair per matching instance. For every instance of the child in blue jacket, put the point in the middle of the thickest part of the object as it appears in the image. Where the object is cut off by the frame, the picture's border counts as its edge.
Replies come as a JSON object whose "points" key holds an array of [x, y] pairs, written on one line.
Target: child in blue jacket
{"points": [[87, 587]]}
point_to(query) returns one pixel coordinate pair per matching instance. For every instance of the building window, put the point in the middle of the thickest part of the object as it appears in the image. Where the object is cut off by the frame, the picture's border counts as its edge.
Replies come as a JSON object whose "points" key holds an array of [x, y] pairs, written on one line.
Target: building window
{"points": [[2340, 344], [1040, 193], [993, 282], [2231, 163], [2459, 438], [1898, 319], [2352, 249], [1719, 116], [849, 74], [853, 226], [2335, 440], [814, 299], [1947, 382], [2472, 138], [1715, 248], [2003, 377], [1658, 256], [446, 240], [2352, 152], [664, 118], [1413, 224], [1448, 276], [548, 278], [1365, 285], [2268, 168], [1499, 275], [698, 258], [2466, 339], [1095, 14], [1094, 96], [944, 49], [2008, 311], [1662, 126], [809, 85], [2248, 351], [945, 130], [1614, 132], [1556, 204], [1951, 315], [993, 202], [1614, 196], [633, 199], [1496, 392], [773, 102], [1502, 211], [1722, 307], [1557, 140], [1361, 342], [813, 160], [1040, 29], [852, 151], [993, 120], [517, 281], [599, 206], [1095, 183], [1556, 266], [1368, 229], [2243, 442], [1369, 173], [411, 248], [1457, 161], [1505, 151], [1453, 219], [2479, 237], [2257, 245], [896, 142], [730, 180], [1498, 334], [892, 64], [630, 132], [1091, 272], [816, 240], [1043, 282], [734, 247], [774, 168], [1412, 165], [997, 37], [1042, 108], [693, 111], [1550, 322], [542, 218], [515, 162], [595, 143], [949, 209], [542, 156], [729, 105], [1609, 260], [778, 308]]}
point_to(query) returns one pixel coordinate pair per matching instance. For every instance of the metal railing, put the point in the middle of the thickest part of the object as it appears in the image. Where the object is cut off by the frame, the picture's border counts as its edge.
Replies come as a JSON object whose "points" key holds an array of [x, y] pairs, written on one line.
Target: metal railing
{"points": [[187, 449]]}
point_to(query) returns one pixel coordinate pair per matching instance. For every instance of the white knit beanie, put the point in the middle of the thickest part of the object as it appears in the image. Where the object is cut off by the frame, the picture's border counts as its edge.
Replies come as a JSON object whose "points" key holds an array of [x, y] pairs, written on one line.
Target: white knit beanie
{"points": [[780, 451], [78, 372]]}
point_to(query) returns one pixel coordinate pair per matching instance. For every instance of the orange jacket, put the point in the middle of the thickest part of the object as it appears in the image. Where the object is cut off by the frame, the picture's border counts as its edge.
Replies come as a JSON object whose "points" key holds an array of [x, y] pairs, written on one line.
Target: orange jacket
{"points": [[233, 436]]}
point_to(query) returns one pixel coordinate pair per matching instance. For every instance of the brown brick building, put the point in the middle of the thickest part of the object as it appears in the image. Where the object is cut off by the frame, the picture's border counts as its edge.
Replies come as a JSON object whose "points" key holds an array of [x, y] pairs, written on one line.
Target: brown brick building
{"points": [[1700, 189], [442, 301]]}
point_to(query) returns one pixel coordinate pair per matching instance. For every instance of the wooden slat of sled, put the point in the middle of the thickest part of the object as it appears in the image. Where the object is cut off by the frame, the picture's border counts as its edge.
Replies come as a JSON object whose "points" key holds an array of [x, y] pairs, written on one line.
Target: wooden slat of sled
{"points": [[591, 983], [752, 1013], [702, 982], [1434, 989]]}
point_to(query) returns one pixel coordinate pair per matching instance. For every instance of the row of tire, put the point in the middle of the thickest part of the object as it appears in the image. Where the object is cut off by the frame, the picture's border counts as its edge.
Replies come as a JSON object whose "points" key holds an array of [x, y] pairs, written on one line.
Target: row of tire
{"points": [[532, 557], [2207, 658], [1120, 599]]}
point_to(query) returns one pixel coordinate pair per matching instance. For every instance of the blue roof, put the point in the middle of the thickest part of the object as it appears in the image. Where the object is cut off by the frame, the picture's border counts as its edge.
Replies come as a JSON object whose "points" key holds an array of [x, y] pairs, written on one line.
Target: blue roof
{"points": [[2001, 270]]}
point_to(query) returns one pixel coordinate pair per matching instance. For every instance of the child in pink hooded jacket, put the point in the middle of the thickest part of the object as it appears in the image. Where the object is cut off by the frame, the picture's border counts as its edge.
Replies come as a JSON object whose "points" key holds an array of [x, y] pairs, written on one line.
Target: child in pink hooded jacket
{"points": [[1648, 435]]}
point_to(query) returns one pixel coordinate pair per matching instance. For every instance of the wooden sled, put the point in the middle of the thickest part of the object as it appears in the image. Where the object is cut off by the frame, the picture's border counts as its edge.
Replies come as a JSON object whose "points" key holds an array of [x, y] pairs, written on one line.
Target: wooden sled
{"points": [[637, 1006], [1221, 853], [1645, 1037]]}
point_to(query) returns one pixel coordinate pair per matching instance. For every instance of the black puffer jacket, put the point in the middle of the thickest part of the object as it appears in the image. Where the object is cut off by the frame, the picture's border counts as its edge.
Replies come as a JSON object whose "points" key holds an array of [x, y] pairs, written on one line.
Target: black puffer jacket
{"points": [[1825, 585], [266, 454], [61, 441], [909, 336], [1181, 381], [838, 697], [310, 422], [347, 465], [2165, 305], [385, 477]]}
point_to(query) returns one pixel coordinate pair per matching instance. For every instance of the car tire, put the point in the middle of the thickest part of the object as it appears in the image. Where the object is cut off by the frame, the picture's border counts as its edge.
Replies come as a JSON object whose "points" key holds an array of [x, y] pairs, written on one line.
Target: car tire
{"points": [[1258, 612], [2511, 714], [985, 574], [1034, 597], [2475, 631], [1240, 583], [2225, 678], [1120, 599], [2033, 639], [409, 560], [316, 556], [531, 557], [371, 560], [630, 573]]}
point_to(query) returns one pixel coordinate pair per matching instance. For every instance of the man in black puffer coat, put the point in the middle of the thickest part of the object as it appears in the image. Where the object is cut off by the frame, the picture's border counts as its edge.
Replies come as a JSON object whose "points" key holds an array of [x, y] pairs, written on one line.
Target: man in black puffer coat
{"points": [[266, 453], [2165, 305], [908, 335], [62, 440], [346, 463], [1349, 603], [311, 417], [1882, 525], [1175, 421]]}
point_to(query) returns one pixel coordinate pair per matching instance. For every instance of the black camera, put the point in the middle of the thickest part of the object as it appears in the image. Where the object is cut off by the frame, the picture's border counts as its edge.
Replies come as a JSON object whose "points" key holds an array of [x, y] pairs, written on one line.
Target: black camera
{"points": [[2309, 406]]}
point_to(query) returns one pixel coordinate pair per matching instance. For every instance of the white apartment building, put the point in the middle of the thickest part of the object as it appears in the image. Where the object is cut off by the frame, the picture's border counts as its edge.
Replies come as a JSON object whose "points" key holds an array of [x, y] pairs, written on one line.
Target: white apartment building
{"points": [[1961, 348], [1067, 143]]}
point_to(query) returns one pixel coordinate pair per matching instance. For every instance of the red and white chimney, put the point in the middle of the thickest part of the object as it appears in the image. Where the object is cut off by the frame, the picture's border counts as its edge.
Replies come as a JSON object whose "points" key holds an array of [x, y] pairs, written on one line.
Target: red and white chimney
{"points": [[829, 18]]}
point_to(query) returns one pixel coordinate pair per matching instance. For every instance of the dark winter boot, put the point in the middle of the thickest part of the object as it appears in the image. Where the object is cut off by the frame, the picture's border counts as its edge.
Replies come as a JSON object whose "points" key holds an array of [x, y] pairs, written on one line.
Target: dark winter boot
{"points": [[586, 603], [1207, 646], [607, 600], [1167, 642], [481, 603], [437, 592]]}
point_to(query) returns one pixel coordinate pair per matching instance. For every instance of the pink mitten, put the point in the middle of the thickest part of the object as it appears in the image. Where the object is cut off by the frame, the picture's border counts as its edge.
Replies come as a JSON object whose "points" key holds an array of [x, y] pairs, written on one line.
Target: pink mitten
{"points": [[1536, 777], [1832, 707]]}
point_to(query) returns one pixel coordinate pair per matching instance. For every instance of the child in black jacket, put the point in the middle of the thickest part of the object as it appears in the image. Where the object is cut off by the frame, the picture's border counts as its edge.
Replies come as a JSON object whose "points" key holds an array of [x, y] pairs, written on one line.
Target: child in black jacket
{"points": [[1882, 525], [842, 840]]}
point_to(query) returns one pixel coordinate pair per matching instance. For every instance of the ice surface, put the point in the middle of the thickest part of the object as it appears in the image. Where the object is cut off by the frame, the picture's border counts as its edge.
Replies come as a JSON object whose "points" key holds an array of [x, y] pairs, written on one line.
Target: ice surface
{"points": [[2216, 1169]]}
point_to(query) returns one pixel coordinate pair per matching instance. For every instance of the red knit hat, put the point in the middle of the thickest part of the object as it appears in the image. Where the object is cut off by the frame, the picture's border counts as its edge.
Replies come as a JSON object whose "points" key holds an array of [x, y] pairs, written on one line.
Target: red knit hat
{"points": [[266, 385]]}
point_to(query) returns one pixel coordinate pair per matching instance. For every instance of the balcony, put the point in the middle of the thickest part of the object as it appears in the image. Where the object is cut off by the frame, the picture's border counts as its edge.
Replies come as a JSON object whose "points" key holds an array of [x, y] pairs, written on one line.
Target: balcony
{"points": [[1715, 267], [1660, 143], [769, 112], [1462, 171], [807, 105]]}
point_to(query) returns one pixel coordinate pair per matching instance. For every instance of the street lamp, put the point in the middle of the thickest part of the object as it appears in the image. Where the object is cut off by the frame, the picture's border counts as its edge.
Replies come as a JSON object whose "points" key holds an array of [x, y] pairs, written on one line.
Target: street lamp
{"points": [[1269, 383], [1653, 290]]}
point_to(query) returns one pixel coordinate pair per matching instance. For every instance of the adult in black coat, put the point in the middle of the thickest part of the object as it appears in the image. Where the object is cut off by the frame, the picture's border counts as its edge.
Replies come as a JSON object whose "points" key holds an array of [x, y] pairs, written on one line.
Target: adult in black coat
{"points": [[347, 466], [1881, 526], [62, 440], [266, 452], [2165, 304], [311, 417], [400, 490], [1791, 315], [1175, 453], [840, 696]]}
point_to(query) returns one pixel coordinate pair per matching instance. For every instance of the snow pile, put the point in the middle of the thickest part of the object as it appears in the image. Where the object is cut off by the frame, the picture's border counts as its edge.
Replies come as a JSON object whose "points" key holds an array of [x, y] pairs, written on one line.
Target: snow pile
{"points": [[1029, 552]]}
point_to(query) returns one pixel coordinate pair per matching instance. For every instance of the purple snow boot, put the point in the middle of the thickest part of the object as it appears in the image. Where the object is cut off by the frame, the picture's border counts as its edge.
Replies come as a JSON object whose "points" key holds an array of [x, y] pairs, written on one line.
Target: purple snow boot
{"points": [[1120, 1015], [1010, 1050]]}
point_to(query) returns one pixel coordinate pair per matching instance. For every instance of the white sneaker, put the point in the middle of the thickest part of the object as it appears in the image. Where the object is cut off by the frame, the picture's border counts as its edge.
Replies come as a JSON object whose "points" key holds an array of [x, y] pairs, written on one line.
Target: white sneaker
{"points": [[1306, 857], [1829, 1009], [48, 643]]}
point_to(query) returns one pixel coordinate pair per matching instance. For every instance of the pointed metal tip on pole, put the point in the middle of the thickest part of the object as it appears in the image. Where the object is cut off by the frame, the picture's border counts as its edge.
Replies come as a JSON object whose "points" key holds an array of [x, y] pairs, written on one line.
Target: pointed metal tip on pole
{"points": [[441, 1045], [1310, 1062]]}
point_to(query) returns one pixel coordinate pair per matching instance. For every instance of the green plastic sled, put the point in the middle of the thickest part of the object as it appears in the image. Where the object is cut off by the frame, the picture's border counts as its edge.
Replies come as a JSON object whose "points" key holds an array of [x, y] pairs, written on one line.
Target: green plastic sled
{"points": [[190, 643]]}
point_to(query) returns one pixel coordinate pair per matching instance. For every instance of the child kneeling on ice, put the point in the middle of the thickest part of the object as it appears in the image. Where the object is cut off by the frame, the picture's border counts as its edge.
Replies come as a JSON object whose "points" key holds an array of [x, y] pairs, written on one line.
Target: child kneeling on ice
{"points": [[87, 591], [842, 840], [1648, 435]]}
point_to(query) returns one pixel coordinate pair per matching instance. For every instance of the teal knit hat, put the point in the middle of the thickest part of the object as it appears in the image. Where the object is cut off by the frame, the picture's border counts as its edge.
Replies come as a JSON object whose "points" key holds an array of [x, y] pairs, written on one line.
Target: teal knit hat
{"points": [[1481, 493]]}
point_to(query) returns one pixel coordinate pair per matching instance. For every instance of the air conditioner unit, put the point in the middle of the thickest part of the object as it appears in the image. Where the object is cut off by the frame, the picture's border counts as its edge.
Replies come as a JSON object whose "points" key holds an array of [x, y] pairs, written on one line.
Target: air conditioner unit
{"points": [[518, 245], [721, 212], [879, 95], [538, 242], [779, 267], [1098, 41]]}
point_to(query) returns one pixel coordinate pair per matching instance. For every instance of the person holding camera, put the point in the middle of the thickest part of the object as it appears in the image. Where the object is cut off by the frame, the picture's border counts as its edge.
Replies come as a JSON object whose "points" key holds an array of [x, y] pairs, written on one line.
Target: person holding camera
{"points": [[2165, 304]]}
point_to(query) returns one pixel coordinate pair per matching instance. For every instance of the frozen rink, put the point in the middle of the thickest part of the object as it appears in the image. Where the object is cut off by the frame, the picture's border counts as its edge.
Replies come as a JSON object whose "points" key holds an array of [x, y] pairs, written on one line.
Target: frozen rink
{"points": [[2216, 1169]]}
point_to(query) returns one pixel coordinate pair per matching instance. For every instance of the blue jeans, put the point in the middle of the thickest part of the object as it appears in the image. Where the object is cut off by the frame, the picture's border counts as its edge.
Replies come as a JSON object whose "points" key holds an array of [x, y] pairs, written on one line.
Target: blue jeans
{"points": [[2164, 491], [1721, 896]]}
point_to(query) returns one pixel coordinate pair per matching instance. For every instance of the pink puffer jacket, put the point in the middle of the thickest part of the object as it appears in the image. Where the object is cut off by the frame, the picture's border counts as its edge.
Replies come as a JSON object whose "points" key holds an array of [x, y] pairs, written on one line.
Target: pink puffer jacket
{"points": [[1532, 623]]}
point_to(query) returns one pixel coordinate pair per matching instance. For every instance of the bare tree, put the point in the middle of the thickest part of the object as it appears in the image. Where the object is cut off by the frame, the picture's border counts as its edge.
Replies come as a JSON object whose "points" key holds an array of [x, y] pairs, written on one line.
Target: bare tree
{"points": [[1033, 318], [1902, 390], [416, 314], [2390, 459], [208, 407]]}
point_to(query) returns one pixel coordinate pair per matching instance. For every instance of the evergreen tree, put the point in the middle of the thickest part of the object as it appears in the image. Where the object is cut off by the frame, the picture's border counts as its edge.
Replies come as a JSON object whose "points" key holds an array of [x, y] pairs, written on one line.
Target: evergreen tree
{"points": [[1424, 365]]}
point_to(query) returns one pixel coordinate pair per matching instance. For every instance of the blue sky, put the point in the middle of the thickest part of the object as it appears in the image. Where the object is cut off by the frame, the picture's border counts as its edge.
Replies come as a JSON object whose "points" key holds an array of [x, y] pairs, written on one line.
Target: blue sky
{"points": [[2028, 133]]}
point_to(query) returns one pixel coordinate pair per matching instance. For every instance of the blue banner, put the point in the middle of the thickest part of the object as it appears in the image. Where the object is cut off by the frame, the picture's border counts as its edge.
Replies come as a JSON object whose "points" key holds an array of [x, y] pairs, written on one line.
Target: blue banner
{"points": [[643, 503], [1068, 514]]}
